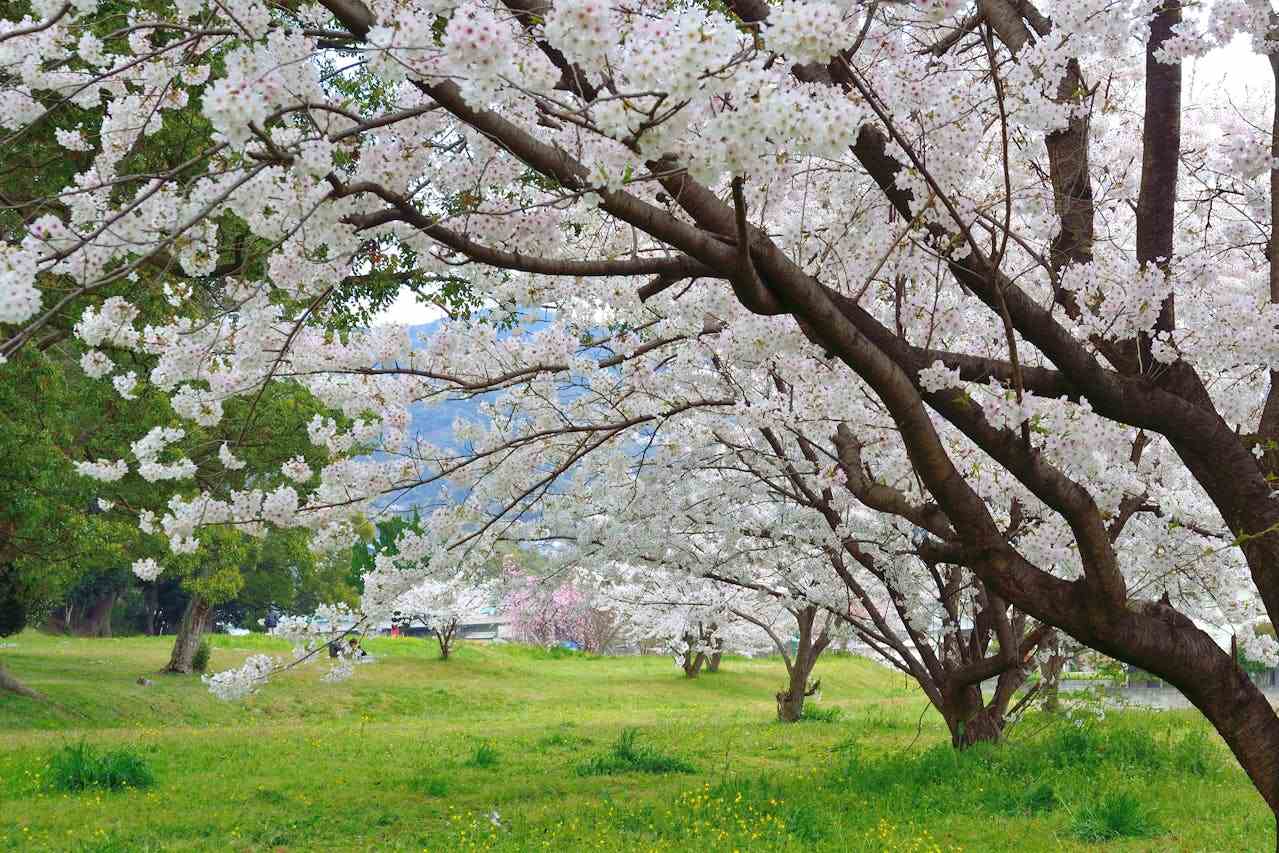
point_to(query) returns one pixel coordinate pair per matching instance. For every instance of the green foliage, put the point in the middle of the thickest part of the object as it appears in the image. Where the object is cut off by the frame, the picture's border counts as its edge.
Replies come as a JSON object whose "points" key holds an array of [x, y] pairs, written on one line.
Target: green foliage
{"points": [[484, 757], [431, 785], [78, 767], [534, 652], [378, 539], [13, 610], [628, 756], [200, 660], [69, 537], [1037, 799], [814, 714], [282, 573], [561, 740], [1139, 749], [1194, 755], [1115, 814], [1113, 671]]}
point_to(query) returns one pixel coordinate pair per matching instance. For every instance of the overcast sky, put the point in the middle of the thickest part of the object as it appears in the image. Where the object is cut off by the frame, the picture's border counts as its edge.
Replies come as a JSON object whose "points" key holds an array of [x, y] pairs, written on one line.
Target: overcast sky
{"points": [[407, 311]]}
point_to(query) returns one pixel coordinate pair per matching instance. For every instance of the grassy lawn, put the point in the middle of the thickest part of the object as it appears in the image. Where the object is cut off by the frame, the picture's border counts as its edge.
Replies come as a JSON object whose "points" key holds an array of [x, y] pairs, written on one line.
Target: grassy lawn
{"points": [[416, 754]]}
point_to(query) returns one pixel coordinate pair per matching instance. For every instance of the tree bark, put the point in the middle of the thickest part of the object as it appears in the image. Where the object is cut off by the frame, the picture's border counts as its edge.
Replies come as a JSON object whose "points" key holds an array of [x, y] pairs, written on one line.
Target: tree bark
{"points": [[96, 619], [12, 685], [971, 720], [445, 640], [1050, 675], [92, 620], [151, 605], [194, 622], [712, 663], [790, 706], [790, 703], [692, 663]]}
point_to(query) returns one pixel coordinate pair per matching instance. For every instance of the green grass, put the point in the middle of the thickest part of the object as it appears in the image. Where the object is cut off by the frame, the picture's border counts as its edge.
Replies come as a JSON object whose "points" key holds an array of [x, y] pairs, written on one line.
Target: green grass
{"points": [[627, 755], [390, 760], [484, 757], [79, 766], [1116, 814], [812, 713]]}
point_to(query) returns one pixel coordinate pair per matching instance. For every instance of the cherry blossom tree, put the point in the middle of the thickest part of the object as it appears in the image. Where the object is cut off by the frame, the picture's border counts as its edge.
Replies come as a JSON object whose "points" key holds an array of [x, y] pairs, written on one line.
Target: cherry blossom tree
{"points": [[694, 620], [975, 237], [443, 606], [748, 517]]}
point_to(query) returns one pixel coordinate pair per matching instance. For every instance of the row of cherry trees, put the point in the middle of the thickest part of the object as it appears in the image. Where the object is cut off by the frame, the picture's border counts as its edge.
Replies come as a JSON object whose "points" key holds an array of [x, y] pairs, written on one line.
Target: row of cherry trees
{"points": [[935, 316]]}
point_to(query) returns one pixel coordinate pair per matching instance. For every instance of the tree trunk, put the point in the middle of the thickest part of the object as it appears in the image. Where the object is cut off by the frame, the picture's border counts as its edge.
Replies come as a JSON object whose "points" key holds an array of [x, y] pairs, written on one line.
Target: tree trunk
{"points": [[790, 702], [692, 663], [717, 652], [970, 719], [985, 726], [151, 605], [194, 621], [12, 685], [790, 706], [445, 639], [96, 619], [92, 620], [1050, 675]]}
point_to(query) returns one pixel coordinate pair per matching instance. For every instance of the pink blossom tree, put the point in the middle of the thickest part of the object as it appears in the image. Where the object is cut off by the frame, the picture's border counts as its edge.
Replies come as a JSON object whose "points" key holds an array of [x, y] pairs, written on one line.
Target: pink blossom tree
{"points": [[562, 610]]}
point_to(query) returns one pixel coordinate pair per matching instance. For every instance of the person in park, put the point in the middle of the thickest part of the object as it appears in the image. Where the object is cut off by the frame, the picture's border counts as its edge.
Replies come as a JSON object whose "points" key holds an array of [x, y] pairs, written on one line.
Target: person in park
{"points": [[350, 648], [952, 272]]}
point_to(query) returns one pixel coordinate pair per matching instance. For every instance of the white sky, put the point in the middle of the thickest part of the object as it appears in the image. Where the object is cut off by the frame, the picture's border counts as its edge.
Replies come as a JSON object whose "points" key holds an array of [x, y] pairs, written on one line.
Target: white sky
{"points": [[1235, 68], [407, 311]]}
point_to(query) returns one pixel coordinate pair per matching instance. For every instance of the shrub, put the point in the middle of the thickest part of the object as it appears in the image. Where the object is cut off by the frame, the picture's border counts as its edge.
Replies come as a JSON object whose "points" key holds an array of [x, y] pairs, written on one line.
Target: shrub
{"points": [[561, 740], [431, 785], [813, 714], [76, 767], [1039, 799], [539, 652], [804, 821], [200, 661], [1194, 754], [875, 720], [1034, 800], [1074, 746], [626, 756], [1116, 815], [484, 757]]}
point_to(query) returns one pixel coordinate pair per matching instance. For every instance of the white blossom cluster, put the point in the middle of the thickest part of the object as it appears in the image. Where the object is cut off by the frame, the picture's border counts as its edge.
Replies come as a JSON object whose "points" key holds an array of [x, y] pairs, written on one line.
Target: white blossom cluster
{"points": [[809, 32], [584, 30], [234, 684], [147, 569]]}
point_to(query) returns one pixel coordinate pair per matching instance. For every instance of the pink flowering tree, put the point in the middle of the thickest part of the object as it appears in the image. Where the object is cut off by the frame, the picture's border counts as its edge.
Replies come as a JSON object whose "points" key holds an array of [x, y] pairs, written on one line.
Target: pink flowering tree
{"points": [[561, 610]]}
